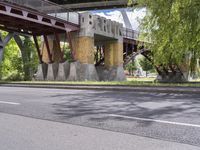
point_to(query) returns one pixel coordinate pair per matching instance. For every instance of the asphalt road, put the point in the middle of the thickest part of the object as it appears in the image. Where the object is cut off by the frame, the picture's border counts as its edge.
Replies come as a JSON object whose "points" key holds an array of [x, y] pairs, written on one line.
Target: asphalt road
{"points": [[167, 117]]}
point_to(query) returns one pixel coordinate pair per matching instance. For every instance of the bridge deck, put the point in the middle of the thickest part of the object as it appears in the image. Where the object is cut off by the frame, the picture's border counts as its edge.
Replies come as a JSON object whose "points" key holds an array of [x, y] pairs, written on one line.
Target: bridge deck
{"points": [[26, 17]]}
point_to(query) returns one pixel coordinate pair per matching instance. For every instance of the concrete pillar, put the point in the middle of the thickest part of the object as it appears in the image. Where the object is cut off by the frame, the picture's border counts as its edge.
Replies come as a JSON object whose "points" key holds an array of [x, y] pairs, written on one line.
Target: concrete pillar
{"points": [[113, 70], [54, 50], [84, 49], [113, 54], [41, 72], [83, 41], [52, 71], [63, 71]]}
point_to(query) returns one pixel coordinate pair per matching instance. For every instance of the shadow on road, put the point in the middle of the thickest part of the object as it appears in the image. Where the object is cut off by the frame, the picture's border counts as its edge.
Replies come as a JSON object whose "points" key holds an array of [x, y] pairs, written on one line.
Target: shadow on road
{"points": [[145, 105]]}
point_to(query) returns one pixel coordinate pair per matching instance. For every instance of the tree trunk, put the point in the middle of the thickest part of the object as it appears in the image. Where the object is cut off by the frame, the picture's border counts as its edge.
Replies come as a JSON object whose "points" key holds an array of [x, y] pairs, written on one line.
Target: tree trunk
{"points": [[25, 58]]}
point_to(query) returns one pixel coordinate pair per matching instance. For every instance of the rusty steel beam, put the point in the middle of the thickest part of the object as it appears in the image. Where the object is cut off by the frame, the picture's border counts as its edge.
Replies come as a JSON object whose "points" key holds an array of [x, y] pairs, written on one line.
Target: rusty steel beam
{"points": [[71, 45], [38, 48], [57, 38], [23, 18], [48, 48], [3, 43]]}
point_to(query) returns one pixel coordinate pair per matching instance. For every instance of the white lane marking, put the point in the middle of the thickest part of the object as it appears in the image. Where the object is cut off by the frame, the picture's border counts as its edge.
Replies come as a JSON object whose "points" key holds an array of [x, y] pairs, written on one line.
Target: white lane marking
{"points": [[158, 121], [11, 103]]}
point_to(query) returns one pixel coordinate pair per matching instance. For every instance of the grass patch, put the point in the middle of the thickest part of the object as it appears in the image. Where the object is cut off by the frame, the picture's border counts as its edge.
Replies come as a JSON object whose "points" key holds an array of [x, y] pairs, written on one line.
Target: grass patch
{"points": [[129, 82]]}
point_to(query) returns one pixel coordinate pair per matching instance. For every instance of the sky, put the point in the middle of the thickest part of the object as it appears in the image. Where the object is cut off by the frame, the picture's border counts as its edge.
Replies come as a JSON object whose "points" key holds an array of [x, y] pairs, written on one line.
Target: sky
{"points": [[115, 15]]}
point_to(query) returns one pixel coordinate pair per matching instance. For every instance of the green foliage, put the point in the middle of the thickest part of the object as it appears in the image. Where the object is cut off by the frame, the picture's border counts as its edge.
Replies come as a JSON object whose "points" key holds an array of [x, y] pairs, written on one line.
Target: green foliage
{"points": [[146, 65], [30, 58], [131, 67], [67, 54], [14, 67], [12, 62], [174, 29]]}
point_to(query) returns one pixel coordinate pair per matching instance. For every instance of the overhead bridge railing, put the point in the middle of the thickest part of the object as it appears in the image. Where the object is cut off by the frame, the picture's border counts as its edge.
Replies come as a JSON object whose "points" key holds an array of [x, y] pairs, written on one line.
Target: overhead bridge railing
{"points": [[130, 34], [48, 8]]}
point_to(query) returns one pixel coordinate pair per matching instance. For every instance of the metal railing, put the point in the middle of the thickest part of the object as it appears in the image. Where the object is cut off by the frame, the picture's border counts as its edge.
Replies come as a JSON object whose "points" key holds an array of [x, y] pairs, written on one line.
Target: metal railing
{"points": [[130, 34], [48, 8]]}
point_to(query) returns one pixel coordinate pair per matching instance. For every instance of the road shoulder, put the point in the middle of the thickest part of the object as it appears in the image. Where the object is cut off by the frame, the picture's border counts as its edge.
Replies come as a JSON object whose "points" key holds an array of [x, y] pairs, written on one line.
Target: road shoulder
{"points": [[24, 133]]}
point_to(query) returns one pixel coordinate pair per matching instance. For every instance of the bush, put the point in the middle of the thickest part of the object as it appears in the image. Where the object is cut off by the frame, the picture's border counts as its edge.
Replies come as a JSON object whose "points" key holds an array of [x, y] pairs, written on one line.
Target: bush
{"points": [[15, 76]]}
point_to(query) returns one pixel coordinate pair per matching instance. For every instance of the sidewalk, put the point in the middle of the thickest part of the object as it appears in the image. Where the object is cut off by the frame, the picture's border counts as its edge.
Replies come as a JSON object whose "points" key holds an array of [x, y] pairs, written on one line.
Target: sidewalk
{"points": [[159, 89], [22, 133]]}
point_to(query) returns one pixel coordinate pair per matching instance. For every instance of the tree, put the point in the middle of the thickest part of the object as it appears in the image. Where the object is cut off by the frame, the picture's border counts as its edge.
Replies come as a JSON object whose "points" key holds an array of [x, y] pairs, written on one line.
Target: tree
{"points": [[11, 66], [131, 67], [174, 29], [146, 65], [30, 58], [28, 55], [19, 63]]}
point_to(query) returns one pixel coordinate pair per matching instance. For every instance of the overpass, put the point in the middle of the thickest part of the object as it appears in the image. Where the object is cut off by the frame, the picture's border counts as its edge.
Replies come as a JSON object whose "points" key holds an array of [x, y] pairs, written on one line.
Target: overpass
{"points": [[27, 17], [99, 46], [93, 4]]}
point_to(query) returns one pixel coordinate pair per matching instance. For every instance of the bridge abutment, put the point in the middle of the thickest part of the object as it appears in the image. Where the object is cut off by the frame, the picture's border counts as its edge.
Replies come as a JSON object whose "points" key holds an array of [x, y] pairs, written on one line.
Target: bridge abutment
{"points": [[51, 56], [93, 29], [84, 49], [84, 68]]}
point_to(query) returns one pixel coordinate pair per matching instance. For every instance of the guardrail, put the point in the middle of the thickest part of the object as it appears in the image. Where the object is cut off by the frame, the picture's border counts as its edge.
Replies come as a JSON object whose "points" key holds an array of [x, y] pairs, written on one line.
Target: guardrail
{"points": [[130, 34], [49, 8]]}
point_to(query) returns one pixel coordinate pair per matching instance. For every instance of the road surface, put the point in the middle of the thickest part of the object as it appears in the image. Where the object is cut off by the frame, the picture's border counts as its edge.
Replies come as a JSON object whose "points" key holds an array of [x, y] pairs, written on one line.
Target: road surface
{"points": [[123, 119]]}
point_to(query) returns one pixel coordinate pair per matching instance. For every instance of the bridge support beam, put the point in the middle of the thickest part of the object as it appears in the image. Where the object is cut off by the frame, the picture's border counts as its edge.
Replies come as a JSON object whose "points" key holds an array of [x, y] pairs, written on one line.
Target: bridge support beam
{"points": [[51, 51], [41, 72], [51, 56], [84, 49], [63, 71], [84, 68], [52, 71], [3, 43], [113, 69], [83, 43], [113, 54]]}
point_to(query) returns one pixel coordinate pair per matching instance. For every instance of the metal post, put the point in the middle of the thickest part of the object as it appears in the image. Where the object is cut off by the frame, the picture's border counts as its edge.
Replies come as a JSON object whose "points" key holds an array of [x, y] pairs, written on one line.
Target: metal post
{"points": [[100, 52], [68, 16], [126, 47]]}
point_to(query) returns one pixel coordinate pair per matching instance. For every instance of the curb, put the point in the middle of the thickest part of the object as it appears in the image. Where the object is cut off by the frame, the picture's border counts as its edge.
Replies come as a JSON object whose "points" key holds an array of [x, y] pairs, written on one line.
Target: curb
{"points": [[122, 88]]}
